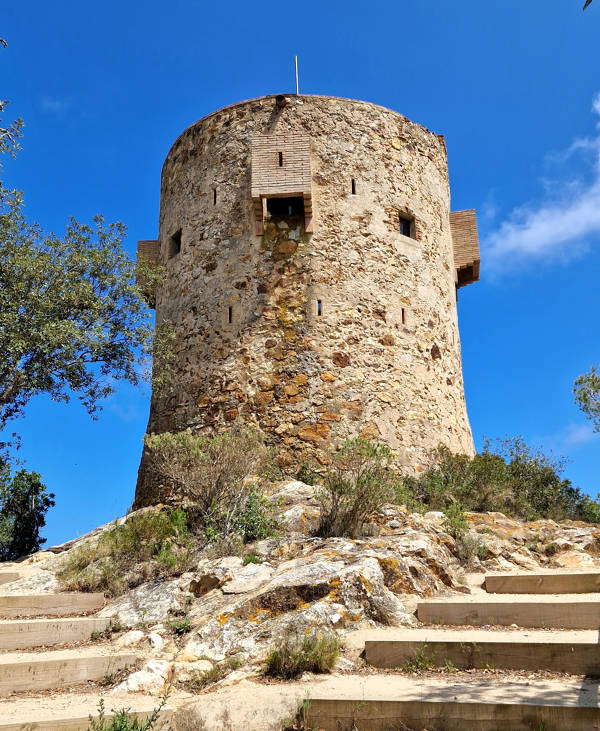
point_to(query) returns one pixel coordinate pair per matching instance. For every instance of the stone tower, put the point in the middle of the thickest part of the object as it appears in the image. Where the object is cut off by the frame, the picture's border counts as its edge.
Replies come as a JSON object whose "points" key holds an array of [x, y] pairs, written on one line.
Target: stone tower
{"points": [[312, 264]]}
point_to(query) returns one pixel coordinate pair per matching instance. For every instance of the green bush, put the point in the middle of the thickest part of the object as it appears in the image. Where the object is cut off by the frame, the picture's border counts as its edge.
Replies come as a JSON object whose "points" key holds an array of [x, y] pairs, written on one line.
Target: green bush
{"points": [[507, 476], [309, 653], [146, 546], [24, 503], [214, 479], [360, 482]]}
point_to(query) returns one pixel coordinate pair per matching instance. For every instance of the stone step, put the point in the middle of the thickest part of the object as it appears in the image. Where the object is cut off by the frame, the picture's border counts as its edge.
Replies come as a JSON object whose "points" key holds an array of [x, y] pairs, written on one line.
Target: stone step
{"points": [[50, 605], [380, 703], [20, 634], [556, 582], [574, 652], [570, 611], [70, 712], [30, 671]]}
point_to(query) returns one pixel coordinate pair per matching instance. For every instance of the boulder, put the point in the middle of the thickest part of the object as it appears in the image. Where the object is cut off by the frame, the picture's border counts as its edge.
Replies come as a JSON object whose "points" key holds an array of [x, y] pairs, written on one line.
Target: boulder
{"points": [[153, 678], [147, 603], [248, 578]]}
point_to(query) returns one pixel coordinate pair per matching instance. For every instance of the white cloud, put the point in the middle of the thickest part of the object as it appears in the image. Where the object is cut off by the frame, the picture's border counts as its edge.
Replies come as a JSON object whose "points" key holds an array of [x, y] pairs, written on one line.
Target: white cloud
{"points": [[54, 105], [571, 437], [560, 226]]}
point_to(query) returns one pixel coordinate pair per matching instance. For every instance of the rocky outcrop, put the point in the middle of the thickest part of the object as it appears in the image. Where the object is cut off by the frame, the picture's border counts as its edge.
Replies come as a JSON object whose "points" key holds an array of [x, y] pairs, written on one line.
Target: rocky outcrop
{"points": [[230, 608]]}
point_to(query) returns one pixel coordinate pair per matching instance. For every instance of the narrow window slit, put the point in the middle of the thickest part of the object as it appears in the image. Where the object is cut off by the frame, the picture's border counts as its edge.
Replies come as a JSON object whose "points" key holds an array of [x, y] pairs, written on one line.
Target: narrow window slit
{"points": [[405, 226], [214, 196], [353, 186], [319, 308], [175, 244], [403, 316], [281, 159], [230, 315]]}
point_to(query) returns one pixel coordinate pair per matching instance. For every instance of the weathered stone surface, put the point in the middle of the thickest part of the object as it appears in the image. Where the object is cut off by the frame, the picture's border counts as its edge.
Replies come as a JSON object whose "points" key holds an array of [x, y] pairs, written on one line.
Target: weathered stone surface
{"points": [[293, 492], [42, 582], [131, 638], [354, 303], [152, 678], [147, 603], [248, 579], [574, 559]]}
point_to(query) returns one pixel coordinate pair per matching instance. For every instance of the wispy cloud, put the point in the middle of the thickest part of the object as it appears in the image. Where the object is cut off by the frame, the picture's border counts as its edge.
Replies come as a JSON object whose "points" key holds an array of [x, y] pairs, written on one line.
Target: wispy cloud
{"points": [[560, 226], [53, 105], [571, 437]]}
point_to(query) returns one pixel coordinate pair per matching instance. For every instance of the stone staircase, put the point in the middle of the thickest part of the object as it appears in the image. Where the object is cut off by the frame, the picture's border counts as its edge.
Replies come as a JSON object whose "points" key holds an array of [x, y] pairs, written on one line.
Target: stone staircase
{"points": [[545, 621], [50, 669]]}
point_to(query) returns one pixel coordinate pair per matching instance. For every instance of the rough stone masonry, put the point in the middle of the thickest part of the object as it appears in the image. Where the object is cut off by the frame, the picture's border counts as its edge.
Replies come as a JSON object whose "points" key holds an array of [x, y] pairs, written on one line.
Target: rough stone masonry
{"points": [[312, 264]]}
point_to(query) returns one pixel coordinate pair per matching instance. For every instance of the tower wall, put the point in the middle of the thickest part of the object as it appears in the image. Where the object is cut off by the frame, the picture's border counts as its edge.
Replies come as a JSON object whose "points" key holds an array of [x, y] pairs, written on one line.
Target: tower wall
{"points": [[314, 337]]}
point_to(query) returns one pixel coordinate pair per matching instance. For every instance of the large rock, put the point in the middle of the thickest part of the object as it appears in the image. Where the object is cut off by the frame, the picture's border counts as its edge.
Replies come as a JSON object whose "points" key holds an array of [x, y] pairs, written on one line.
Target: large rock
{"points": [[148, 603], [301, 595], [248, 578], [153, 678]]}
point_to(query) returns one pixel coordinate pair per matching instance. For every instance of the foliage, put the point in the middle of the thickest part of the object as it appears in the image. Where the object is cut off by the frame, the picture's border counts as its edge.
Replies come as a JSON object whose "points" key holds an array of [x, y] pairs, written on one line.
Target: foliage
{"points": [[310, 653], [24, 503], [455, 521], [72, 319], [180, 626], [507, 476], [124, 721], [420, 662], [147, 545], [71, 316], [361, 480], [308, 475], [251, 558], [587, 395], [214, 479], [199, 680], [587, 2]]}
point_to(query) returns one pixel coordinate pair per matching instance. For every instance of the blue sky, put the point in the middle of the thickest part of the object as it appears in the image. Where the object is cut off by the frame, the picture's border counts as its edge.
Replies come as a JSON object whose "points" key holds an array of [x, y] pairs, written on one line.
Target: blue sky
{"points": [[104, 89]]}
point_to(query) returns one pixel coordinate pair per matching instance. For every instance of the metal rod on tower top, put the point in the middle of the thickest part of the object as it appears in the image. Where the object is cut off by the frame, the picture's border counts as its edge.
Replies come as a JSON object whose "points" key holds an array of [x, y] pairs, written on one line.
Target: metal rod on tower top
{"points": [[296, 65]]}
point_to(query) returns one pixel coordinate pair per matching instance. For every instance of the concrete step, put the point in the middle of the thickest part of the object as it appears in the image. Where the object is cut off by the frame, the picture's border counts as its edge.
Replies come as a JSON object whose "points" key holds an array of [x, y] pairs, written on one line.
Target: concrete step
{"points": [[571, 611], [380, 703], [574, 652], [555, 582], [49, 605], [70, 712], [20, 634], [30, 671]]}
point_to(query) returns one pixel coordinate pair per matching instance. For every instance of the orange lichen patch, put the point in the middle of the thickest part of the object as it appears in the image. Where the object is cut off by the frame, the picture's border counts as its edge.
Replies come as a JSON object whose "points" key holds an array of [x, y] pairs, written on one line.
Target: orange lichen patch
{"points": [[222, 618], [366, 583], [259, 615], [334, 593], [394, 577]]}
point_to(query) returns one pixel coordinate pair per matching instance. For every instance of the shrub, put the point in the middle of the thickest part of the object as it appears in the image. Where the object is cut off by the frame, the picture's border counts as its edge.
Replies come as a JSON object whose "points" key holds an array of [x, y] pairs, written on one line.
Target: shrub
{"points": [[124, 721], [360, 482], [312, 653], [24, 503], [251, 558], [455, 521], [146, 546], [199, 680], [211, 477], [507, 476]]}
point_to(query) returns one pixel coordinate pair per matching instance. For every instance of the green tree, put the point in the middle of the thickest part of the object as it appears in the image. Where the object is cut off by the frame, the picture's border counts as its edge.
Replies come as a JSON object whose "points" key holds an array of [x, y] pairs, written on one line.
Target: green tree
{"points": [[24, 503], [72, 318], [587, 395], [587, 2]]}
